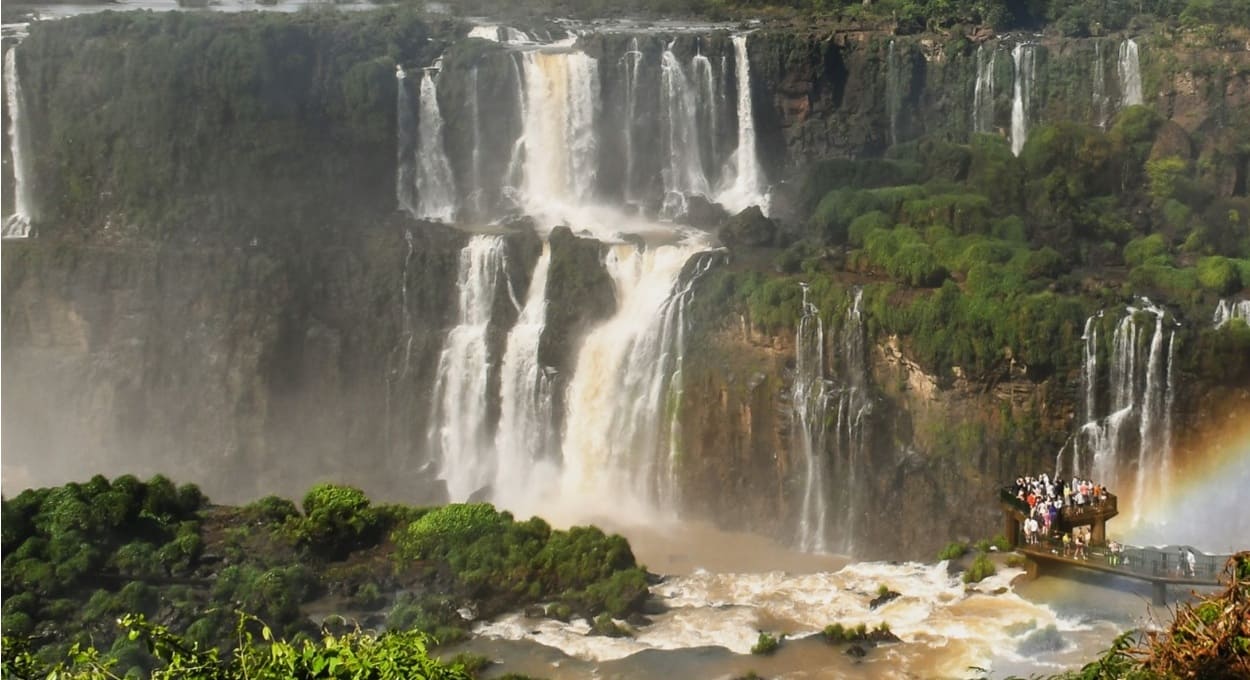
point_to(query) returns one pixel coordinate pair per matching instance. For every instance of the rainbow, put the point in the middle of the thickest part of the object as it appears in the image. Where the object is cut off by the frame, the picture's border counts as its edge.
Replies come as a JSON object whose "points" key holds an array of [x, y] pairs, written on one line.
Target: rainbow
{"points": [[1205, 505]]}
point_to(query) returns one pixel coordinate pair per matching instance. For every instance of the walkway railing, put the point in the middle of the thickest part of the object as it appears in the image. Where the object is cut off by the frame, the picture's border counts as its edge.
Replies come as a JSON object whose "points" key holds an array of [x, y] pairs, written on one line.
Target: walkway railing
{"points": [[1153, 563]]}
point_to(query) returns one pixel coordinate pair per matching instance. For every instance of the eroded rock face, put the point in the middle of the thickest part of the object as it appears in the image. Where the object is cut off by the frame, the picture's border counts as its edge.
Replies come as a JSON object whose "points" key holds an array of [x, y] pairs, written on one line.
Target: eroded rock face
{"points": [[249, 371]]}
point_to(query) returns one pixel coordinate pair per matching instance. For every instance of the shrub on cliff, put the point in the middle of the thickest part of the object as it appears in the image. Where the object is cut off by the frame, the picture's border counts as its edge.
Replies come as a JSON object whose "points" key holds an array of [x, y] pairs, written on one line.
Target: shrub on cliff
{"points": [[337, 519]]}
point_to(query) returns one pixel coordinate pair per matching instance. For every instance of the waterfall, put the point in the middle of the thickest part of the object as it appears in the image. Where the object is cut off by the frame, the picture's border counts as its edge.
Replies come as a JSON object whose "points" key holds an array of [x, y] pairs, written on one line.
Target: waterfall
{"points": [[405, 145], [436, 191], [619, 444], [475, 159], [833, 455], [1227, 310], [809, 400], [747, 185], [526, 441], [1023, 57], [458, 436], [708, 103], [983, 91], [850, 444], [684, 174], [1101, 100], [1142, 393], [504, 34], [1130, 74], [1089, 368], [515, 177], [893, 96], [558, 128], [629, 63], [17, 224]]}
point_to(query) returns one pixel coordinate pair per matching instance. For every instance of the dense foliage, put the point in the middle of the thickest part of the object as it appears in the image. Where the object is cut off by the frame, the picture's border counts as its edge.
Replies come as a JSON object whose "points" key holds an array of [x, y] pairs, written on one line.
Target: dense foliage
{"points": [[77, 557], [591, 572], [355, 655], [986, 263]]}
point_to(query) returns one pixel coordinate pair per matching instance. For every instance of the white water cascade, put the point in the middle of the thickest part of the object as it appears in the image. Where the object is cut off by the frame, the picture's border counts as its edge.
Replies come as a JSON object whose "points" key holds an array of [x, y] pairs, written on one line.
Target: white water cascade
{"points": [[458, 437], [1022, 94], [1129, 67], [560, 150], [809, 399], [620, 447], [629, 64], [893, 94], [1101, 101], [475, 160], [436, 190], [1227, 310], [833, 453], [17, 224], [526, 442], [983, 92], [709, 100], [683, 175], [850, 444], [1129, 449], [747, 185]]}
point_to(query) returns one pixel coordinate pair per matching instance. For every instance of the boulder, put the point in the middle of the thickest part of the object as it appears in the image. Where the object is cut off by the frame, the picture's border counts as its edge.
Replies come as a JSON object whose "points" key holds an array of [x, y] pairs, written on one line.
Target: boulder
{"points": [[749, 228]]}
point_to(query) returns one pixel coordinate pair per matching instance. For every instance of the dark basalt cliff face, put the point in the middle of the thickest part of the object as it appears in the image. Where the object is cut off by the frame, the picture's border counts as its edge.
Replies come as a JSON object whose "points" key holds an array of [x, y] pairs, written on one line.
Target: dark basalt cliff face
{"points": [[220, 287]]}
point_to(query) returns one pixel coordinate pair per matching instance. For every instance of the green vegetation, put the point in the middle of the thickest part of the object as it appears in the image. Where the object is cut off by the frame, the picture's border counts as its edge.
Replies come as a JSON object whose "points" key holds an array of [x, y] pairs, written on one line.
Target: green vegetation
{"points": [[953, 551], [355, 655], [981, 262], [981, 569], [77, 557], [836, 633], [585, 569], [766, 644]]}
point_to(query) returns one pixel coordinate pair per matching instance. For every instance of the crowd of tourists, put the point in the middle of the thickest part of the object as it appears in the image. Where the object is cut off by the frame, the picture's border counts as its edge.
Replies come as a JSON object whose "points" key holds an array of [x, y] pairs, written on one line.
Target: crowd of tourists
{"points": [[1047, 498]]}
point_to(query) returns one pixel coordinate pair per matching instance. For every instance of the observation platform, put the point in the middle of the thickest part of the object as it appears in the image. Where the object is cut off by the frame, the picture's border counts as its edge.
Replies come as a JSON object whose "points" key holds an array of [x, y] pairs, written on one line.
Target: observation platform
{"points": [[1161, 567]]}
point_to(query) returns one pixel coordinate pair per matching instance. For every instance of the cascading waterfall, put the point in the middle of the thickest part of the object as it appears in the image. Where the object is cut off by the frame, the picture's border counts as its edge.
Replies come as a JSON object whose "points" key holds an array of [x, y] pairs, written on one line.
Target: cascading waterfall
{"points": [[809, 401], [1023, 57], [1227, 310], [17, 224], [849, 445], [1101, 101], [458, 437], [709, 101], [1089, 368], [630, 63], [515, 177], [1141, 384], [504, 34], [558, 128], [405, 145], [475, 159], [526, 442], [684, 174], [748, 184], [893, 95], [625, 389], [983, 92], [436, 190], [1129, 67]]}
